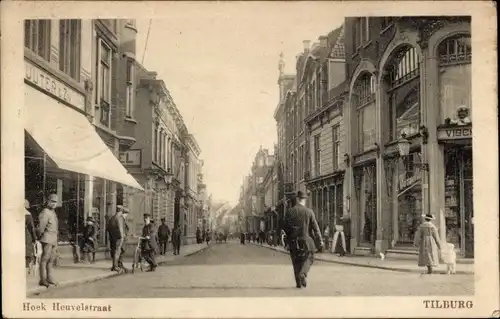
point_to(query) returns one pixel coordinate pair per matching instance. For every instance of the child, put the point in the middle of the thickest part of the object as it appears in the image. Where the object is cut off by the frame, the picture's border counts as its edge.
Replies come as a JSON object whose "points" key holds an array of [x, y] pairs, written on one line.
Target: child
{"points": [[89, 240]]}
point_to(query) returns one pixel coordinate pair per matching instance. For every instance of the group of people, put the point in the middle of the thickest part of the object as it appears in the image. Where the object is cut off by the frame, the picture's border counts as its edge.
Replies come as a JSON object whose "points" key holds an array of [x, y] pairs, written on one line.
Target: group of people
{"points": [[201, 236], [261, 237], [154, 240], [41, 239]]}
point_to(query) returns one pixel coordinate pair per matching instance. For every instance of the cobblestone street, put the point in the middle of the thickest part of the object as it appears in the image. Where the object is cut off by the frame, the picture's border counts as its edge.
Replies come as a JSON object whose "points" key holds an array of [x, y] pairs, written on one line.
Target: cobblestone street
{"points": [[234, 270]]}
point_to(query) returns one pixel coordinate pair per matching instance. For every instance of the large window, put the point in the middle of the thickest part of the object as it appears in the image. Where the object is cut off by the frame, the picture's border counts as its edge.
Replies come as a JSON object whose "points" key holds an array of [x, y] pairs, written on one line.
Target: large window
{"points": [[129, 104], [361, 32], [455, 78], [37, 37], [403, 83], [155, 144], [103, 96], [364, 100], [70, 47], [335, 146]]}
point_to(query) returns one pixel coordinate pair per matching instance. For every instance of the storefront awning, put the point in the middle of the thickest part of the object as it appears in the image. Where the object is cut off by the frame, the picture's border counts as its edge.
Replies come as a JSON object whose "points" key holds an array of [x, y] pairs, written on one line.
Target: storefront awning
{"points": [[70, 140]]}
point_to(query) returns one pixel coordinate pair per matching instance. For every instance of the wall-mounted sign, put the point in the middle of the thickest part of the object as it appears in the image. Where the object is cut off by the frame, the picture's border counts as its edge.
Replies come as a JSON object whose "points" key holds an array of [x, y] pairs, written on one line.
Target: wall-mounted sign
{"points": [[131, 158], [406, 183], [48, 83], [455, 133]]}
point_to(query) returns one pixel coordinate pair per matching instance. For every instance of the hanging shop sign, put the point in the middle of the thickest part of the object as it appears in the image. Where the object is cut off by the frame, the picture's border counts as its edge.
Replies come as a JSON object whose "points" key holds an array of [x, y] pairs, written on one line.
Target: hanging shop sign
{"points": [[454, 133], [406, 183], [131, 158], [50, 84]]}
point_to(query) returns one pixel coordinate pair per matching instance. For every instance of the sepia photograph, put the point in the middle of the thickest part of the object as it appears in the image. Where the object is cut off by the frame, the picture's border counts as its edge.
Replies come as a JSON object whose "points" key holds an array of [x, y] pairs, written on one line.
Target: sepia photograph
{"points": [[212, 152]]}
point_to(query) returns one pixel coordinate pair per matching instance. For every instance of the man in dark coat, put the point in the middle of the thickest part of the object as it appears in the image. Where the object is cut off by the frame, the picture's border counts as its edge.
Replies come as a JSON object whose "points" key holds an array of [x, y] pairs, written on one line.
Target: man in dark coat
{"points": [[176, 239], [299, 222], [149, 245], [163, 234], [115, 227]]}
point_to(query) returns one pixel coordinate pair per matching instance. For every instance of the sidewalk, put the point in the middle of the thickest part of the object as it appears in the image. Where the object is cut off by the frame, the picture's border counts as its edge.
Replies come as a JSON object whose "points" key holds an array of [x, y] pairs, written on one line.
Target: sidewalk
{"points": [[69, 274], [374, 262]]}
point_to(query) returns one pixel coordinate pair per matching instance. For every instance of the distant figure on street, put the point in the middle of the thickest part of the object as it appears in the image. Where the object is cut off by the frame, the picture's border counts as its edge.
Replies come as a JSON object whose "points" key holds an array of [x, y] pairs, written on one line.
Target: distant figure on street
{"points": [[47, 235], [242, 238], [299, 221], [198, 235], [176, 239], [208, 237], [428, 243], [163, 234], [149, 245]]}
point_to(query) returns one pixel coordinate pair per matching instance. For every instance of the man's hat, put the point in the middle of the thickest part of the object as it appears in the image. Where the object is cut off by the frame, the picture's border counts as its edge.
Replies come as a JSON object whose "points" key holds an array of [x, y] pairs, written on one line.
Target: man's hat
{"points": [[147, 215], [429, 217], [163, 219], [301, 194], [53, 197], [90, 219], [119, 207]]}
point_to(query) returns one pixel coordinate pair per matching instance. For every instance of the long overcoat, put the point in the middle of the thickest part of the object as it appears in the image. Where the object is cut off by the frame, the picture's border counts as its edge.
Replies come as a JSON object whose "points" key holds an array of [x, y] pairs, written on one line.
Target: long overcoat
{"points": [[30, 234], [428, 243]]}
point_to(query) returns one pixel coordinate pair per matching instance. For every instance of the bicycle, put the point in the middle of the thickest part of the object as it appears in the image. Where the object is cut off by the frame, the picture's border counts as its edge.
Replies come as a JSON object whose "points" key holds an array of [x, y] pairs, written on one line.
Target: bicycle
{"points": [[137, 262]]}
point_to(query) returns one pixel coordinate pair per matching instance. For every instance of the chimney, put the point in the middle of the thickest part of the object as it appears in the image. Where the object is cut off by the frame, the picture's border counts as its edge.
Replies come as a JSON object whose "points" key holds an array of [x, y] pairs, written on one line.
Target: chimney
{"points": [[323, 41], [306, 45]]}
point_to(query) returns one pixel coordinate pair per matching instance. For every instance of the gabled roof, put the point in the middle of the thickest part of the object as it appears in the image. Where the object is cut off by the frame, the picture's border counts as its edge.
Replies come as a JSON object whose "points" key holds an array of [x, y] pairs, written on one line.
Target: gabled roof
{"points": [[336, 37]]}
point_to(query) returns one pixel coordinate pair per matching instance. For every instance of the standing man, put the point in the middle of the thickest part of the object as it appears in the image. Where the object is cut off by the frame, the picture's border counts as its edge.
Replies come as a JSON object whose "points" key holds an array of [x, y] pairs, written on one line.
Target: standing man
{"points": [[163, 234], [149, 245], [176, 239], [47, 234], [299, 221], [116, 232]]}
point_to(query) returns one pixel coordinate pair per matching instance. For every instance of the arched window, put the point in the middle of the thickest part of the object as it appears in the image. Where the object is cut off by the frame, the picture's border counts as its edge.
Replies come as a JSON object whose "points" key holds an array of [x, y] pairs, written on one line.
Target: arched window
{"points": [[364, 101], [403, 92], [455, 80]]}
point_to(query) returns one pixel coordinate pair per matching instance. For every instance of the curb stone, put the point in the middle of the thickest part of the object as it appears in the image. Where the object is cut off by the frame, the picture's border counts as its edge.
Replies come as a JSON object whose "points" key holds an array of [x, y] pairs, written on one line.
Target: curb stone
{"points": [[37, 290], [341, 262]]}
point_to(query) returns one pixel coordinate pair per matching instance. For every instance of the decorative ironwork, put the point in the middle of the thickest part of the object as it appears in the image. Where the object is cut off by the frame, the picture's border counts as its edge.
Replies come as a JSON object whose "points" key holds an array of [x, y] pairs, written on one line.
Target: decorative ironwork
{"points": [[455, 50]]}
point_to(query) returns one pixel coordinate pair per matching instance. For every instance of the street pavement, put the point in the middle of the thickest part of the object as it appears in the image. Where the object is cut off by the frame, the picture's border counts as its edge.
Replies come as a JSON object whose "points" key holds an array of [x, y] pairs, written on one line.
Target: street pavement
{"points": [[235, 270]]}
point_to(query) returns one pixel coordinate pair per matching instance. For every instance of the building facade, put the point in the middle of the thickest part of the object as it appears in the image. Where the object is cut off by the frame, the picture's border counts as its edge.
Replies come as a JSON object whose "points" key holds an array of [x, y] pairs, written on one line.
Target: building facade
{"points": [[409, 80], [73, 111], [323, 79], [156, 158], [192, 151]]}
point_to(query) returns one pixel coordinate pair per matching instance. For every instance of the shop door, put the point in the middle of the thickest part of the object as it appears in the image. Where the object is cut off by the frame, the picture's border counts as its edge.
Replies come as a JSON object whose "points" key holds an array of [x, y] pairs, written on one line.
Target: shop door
{"points": [[467, 204]]}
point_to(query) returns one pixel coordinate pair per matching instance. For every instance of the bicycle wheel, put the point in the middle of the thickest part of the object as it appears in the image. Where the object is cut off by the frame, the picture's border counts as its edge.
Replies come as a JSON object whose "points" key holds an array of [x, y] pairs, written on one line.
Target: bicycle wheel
{"points": [[135, 260]]}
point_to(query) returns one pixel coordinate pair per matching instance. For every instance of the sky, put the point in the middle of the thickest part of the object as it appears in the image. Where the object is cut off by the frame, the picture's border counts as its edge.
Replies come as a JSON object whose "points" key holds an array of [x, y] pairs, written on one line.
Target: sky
{"points": [[220, 64]]}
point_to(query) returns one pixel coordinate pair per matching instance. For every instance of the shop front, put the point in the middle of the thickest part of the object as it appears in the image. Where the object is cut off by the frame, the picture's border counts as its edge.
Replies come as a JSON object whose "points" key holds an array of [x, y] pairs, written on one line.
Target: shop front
{"points": [[65, 155]]}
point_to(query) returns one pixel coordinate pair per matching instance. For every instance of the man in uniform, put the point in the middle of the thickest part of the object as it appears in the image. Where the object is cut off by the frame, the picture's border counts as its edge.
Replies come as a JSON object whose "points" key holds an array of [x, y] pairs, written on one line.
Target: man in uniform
{"points": [[47, 235], [299, 221], [163, 234]]}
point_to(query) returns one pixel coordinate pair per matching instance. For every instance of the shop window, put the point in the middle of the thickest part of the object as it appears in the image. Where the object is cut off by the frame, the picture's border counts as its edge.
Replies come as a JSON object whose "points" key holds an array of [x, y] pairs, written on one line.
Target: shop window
{"points": [[70, 47], [409, 198], [364, 101], [455, 78], [129, 102], [103, 96], [339, 203], [37, 37], [403, 93], [368, 205]]}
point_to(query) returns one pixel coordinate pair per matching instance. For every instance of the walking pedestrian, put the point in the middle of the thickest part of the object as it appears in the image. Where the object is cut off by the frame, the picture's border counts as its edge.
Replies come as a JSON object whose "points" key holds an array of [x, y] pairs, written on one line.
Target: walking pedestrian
{"points": [[208, 237], [163, 235], [116, 232], [299, 222], [176, 239], [198, 235], [47, 230], [428, 243], [149, 245]]}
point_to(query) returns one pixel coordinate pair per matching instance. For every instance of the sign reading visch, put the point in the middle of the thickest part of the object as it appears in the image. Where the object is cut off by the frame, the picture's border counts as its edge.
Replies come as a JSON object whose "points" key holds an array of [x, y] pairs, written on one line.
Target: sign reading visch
{"points": [[48, 83], [455, 133]]}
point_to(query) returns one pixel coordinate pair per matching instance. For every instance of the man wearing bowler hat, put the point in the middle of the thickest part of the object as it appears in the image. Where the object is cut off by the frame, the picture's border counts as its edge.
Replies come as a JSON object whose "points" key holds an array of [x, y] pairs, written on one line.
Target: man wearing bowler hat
{"points": [[149, 245], [299, 221]]}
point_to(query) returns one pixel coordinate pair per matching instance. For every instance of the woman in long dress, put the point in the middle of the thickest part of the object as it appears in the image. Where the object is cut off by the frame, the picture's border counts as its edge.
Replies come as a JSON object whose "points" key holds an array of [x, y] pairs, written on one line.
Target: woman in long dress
{"points": [[428, 243]]}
